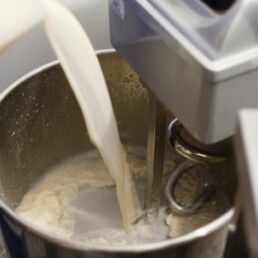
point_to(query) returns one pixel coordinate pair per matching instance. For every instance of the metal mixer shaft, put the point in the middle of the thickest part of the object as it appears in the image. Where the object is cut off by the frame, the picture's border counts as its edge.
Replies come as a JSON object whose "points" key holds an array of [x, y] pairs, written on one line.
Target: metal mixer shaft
{"points": [[155, 155]]}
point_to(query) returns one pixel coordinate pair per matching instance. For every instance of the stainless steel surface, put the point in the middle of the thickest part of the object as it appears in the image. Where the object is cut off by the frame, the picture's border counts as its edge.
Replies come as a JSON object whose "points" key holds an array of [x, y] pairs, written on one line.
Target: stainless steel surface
{"points": [[202, 26], [246, 151], [189, 151], [41, 125], [194, 60], [155, 155]]}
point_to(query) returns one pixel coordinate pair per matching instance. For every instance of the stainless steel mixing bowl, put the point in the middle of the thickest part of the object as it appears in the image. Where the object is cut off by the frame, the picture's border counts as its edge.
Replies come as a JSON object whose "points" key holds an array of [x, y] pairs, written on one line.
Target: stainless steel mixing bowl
{"points": [[41, 125]]}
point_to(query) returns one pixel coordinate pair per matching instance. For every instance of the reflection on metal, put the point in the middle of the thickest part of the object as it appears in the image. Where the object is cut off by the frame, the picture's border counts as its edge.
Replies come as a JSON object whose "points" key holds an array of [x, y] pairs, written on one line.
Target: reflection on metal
{"points": [[195, 157], [189, 151], [246, 149], [155, 155]]}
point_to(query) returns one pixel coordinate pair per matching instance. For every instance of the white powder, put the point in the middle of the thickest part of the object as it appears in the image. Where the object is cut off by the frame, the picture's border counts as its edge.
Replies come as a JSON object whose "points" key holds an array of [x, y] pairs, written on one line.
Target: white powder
{"points": [[47, 203]]}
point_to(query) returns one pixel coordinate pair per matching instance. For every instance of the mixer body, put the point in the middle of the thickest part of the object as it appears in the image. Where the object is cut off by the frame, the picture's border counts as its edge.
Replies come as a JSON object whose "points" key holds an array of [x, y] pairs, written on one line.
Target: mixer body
{"points": [[200, 69]]}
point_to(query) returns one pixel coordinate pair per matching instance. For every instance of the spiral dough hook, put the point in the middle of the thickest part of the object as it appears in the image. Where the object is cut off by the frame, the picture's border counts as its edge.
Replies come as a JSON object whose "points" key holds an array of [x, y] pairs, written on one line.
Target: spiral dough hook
{"points": [[194, 156]]}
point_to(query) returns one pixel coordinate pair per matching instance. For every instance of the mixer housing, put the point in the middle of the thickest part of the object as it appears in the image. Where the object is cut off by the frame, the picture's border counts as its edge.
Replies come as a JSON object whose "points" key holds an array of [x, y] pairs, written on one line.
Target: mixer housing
{"points": [[201, 64]]}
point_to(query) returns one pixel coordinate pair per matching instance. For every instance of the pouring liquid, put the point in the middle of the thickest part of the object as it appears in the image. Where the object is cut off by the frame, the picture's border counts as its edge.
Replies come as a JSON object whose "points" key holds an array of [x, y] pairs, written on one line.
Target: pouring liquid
{"points": [[78, 60]]}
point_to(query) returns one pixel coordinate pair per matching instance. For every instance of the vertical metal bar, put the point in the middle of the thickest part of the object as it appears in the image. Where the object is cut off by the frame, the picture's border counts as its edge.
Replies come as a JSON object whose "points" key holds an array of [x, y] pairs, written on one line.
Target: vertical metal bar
{"points": [[155, 155]]}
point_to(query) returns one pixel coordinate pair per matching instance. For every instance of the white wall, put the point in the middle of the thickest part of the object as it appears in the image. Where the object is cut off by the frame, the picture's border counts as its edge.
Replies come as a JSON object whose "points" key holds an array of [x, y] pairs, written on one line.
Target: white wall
{"points": [[33, 49]]}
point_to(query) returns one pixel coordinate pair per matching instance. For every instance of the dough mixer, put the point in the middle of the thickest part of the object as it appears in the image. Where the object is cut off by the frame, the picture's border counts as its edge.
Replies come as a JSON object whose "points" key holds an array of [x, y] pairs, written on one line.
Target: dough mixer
{"points": [[199, 58], [191, 58]]}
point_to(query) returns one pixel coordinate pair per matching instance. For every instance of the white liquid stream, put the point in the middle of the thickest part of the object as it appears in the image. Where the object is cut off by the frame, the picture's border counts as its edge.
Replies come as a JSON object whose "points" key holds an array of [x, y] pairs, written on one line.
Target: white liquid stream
{"points": [[81, 66]]}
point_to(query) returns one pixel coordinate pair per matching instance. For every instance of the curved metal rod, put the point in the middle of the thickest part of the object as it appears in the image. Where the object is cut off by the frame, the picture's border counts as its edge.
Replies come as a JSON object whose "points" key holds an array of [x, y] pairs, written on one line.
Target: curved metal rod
{"points": [[170, 194], [189, 151]]}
